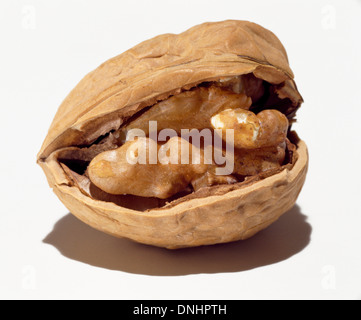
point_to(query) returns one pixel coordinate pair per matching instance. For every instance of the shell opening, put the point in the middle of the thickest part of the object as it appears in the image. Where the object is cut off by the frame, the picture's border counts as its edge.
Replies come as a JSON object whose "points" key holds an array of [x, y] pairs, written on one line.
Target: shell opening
{"points": [[262, 146]]}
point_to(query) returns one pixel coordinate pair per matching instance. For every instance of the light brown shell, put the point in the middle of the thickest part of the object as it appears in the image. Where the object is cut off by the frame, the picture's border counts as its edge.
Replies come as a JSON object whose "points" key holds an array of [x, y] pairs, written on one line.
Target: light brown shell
{"points": [[152, 71]]}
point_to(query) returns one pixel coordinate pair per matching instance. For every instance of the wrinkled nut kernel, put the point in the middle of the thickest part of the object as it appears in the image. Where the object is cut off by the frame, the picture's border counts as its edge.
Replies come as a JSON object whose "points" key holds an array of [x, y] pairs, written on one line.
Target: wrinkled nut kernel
{"points": [[130, 169], [268, 128], [210, 178], [189, 110], [250, 162], [274, 127], [245, 124], [149, 169], [145, 168]]}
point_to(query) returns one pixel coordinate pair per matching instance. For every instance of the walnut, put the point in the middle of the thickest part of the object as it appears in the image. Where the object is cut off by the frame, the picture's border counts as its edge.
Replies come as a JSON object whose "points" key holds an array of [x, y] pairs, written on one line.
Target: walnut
{"points": [[219, 76]]}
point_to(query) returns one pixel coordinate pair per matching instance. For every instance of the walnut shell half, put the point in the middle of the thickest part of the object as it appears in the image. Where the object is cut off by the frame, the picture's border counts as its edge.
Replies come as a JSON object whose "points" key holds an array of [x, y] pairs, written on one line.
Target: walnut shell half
{"points": [[153, 71]]}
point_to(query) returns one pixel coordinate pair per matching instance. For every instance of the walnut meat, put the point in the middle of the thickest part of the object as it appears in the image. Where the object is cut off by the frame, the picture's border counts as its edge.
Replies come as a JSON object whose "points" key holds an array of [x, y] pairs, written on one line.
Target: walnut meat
{"points": [[215, 76]]}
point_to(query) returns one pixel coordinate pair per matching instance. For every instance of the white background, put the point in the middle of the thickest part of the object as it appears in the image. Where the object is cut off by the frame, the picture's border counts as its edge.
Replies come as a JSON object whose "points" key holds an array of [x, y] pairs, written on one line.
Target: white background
{"points": [[313, 252]]}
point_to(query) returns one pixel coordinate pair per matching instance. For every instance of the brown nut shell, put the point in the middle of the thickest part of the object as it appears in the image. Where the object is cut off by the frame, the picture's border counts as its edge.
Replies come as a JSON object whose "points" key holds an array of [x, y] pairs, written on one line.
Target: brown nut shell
{"points": [[150, 72]]}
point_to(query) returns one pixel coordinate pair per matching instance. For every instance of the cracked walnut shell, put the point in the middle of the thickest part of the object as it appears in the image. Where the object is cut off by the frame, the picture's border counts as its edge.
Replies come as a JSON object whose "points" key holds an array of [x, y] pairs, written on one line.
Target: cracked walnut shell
{"points": [[226, 55]]}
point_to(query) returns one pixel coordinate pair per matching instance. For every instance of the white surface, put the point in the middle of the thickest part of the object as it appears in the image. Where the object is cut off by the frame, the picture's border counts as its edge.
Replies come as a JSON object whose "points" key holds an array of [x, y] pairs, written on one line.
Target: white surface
{"points": [[313, 252]]}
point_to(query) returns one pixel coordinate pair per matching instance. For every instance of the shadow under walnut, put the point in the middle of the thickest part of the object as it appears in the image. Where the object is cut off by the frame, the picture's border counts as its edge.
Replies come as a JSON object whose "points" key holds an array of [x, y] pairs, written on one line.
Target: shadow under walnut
{"points": [[285, 238]]}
